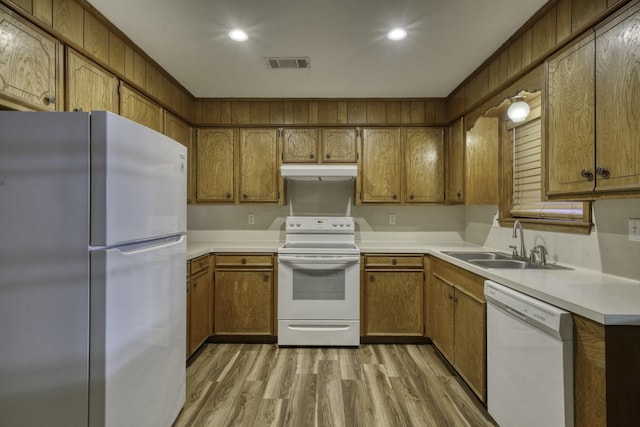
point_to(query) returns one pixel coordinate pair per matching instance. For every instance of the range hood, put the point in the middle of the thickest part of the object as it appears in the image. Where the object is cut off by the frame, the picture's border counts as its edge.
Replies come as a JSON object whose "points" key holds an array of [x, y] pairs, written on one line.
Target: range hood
{"points": [[319, 172]]}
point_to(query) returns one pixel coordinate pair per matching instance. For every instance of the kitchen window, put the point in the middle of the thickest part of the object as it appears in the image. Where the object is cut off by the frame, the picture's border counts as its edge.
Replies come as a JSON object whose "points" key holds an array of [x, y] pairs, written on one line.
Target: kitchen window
{"points": [[522, 197]]}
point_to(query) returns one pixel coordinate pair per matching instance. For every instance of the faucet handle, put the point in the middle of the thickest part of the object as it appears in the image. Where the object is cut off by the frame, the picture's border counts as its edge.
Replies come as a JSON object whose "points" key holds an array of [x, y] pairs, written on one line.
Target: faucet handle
{"points": [[533, 254], [515, 250], [543, 254]]}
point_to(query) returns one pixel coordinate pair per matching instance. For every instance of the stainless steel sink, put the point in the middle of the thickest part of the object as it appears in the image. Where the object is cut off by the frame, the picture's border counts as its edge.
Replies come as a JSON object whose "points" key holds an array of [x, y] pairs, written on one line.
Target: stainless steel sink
{"points": [[468, 256], [501, 260]]}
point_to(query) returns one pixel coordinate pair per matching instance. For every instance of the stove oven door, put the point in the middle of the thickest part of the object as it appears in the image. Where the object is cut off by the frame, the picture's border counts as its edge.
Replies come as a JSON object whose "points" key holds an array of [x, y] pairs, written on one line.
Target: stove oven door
{"points": [[322, 287]]}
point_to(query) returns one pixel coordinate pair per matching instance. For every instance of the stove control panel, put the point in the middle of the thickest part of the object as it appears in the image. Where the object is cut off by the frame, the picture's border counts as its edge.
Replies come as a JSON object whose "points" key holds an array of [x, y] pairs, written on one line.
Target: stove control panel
{"points": [[319, 224]]}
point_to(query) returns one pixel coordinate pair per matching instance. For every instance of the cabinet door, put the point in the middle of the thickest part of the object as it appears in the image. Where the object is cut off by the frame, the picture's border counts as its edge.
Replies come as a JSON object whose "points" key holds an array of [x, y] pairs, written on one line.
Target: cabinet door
{"points": [[618, 102], [215, 150], [200, 306], [89, 87], [441, 308], [455, 170], [380, 172], [393, 303], [179, 130], [243, 302], [481, 162], [139, 108], [339, 145], [259, 174], [424, 165], [30, 64], [570, 120], [299, 145], [470, 337]]}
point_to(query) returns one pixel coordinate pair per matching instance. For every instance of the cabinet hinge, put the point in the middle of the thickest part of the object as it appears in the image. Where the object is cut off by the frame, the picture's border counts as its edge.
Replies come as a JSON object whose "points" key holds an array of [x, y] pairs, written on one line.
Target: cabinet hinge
{"points": [[120, 88]]}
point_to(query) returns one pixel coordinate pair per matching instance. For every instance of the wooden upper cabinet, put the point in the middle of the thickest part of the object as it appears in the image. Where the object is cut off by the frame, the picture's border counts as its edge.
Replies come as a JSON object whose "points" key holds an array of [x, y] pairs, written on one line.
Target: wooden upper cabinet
{"points": [[30, 64], [455, 167], [339, 145], [300, 145], [424, 165], [570, 119], [617, 43], [481, 157], [215, 159], [139, 108], [259, 174], [381, 165], [89, 87], [179, 130]]}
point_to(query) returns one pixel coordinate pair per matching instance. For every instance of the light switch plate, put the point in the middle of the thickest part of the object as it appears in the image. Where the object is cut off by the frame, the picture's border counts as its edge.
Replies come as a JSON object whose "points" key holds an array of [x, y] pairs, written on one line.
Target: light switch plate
{"points": [[251, 218], [634, 229], [392, 219]]}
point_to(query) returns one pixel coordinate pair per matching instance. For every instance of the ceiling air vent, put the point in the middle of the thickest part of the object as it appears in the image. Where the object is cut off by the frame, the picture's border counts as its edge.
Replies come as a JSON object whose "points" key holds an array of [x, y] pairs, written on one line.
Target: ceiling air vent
{"points": [[289, 62]]}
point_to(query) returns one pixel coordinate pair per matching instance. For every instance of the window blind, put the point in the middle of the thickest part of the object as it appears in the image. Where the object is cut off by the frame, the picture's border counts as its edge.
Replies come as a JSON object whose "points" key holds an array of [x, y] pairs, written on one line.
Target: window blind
{"points": [[527, 178]]}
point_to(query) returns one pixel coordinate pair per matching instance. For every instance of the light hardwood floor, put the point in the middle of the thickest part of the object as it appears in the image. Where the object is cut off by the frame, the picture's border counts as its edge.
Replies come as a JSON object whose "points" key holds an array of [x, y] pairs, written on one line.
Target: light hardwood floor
{"points": [[374, 385]]}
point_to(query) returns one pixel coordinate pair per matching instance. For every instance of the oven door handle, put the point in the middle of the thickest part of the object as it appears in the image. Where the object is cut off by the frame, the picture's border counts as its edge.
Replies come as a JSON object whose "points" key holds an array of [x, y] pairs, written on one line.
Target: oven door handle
{"points": [[320, 262]]}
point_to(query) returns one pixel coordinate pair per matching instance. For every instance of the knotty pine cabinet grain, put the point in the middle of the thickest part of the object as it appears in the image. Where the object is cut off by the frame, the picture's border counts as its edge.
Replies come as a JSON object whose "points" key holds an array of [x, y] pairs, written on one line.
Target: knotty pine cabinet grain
{"points": [[31, 68], [244, 294], [455, 163], [259, 167], [139, 108], [424, 165], [200, 305], [180, 131], [215, 164], [592, 100], [393, 295], [456, 321], [380, 171], [88, 86]]}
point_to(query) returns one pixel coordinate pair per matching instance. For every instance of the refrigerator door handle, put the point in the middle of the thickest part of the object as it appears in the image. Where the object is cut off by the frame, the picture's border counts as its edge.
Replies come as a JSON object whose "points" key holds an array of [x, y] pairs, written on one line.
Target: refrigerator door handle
{"points": [[140, 248]]}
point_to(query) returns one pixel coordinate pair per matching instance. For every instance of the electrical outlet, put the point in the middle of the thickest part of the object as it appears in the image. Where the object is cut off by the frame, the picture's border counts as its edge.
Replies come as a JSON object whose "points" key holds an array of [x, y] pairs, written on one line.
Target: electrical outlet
{"points": [[634, 229], [392, 219], [251, 218]]}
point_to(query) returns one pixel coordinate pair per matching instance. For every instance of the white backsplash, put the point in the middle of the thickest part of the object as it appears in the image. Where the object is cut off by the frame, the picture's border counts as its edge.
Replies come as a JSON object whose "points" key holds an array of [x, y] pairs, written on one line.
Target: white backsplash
{"points": [[607, 249]]}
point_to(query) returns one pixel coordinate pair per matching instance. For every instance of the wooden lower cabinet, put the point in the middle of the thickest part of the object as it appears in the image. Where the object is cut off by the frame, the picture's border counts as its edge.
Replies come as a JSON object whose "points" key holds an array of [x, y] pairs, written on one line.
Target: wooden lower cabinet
{"points": [[456, 321], [393, 295], [199, 303], [244, 297], [607, 374]]}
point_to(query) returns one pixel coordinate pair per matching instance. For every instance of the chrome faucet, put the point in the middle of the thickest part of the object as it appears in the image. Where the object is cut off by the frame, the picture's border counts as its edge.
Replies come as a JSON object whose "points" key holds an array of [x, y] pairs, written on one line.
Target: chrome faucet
{"points": [[539, 255], [523, 251]]}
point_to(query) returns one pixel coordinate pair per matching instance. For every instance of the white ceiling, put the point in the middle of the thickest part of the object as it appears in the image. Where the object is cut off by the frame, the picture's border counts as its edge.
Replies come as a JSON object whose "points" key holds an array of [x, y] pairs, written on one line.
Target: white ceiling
{"points": [[345, 39]]}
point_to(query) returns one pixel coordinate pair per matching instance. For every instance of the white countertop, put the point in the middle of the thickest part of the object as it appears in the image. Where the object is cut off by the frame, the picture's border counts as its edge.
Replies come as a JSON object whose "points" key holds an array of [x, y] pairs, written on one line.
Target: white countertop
{"points": [[604, 298]]}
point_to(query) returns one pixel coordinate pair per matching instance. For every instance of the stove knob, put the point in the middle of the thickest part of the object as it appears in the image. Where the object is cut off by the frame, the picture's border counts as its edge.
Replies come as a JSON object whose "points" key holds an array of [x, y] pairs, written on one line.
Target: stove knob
{"points": [[335, 224], [348, 223], [298, 223], [341, 223]]}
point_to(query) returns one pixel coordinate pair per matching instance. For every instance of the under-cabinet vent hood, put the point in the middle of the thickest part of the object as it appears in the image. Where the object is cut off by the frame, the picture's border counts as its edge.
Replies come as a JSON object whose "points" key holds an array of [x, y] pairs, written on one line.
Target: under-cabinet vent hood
{"points": [[319, 172]]}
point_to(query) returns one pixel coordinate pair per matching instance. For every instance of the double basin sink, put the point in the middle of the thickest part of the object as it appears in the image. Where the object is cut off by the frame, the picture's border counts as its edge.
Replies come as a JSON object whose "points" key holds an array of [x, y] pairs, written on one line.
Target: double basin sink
{"points": [[501, 260]]}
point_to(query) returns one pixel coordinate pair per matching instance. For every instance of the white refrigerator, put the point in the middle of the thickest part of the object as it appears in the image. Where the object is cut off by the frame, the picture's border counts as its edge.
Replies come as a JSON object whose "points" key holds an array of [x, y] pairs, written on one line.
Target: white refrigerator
{"points": [[92, 271]]}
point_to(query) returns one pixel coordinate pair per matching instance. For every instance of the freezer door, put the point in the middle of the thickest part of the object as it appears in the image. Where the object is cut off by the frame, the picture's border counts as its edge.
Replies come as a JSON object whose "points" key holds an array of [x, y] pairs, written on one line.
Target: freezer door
{"points": [[138, 182], [138, 334]]}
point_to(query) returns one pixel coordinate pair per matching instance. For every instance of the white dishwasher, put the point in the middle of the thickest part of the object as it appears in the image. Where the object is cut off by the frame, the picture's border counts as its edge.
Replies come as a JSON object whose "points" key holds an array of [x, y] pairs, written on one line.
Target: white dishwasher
{"points": [[529, 360]]}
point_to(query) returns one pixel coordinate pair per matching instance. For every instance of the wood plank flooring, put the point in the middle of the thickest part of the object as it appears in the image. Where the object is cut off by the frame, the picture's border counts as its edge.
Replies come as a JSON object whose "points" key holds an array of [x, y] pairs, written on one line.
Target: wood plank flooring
{"points": [[374, 385]]}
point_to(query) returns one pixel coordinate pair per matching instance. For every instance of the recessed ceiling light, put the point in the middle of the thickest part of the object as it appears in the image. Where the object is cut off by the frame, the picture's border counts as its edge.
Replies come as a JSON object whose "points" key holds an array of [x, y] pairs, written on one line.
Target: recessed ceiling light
{"points": [[238, 35], [397, 34]]}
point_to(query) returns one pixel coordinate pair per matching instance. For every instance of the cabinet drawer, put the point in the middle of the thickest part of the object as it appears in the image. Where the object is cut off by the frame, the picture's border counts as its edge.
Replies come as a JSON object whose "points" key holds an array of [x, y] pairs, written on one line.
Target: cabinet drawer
{"points": [[461, 279], [393, 261], [199, 264], [246, 260]]}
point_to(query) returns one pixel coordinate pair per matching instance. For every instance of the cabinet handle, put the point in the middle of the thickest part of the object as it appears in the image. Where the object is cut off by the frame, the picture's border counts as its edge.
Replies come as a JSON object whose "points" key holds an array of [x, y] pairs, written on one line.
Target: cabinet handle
{"points": [[587, 174], [265, 278], [394, 196], [312, 156], [243, 261], [394, 261], [371, 278], [50, 99], [411, 196], [603, 172], [328, 156], [228, 194], [78, 109], [459, 194], [245, 196]]}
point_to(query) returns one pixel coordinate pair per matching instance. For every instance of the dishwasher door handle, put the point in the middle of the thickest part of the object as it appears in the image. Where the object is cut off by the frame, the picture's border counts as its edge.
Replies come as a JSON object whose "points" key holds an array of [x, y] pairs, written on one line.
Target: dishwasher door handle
{"points": [[515, 313]]}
